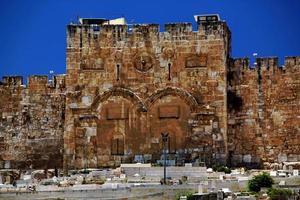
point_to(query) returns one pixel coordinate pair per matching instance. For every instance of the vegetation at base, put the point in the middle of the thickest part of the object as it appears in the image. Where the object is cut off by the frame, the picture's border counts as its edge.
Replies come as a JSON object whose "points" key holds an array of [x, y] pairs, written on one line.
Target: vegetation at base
{"points": [[184, 179], [188, 194], [221, 168], [279, 194], [262, 180]]}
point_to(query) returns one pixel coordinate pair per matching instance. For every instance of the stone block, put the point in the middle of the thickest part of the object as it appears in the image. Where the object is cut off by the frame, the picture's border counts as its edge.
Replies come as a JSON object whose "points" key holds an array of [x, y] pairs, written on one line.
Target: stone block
{"points": [[247, 158], [292, 158], [282, 157], [7, 164], [86, 100]]}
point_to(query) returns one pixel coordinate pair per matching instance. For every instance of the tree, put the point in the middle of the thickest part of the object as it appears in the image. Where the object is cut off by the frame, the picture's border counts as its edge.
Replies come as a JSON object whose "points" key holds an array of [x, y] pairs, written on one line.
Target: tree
{"points": [[259, 181]]}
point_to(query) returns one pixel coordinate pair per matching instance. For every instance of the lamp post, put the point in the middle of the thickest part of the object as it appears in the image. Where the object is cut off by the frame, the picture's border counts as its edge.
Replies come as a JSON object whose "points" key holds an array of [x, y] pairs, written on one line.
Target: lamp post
{"points": [[165, 137]]}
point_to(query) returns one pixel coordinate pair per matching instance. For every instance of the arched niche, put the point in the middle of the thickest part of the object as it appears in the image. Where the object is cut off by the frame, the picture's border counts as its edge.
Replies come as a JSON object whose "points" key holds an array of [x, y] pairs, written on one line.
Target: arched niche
{"points": [[188, 98], [121, 92]]}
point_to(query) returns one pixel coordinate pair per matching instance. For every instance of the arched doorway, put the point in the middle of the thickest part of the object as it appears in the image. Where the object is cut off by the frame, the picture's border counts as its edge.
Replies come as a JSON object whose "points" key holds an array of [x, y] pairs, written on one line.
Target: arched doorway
{"points": [[118, 131], [169, 114]]}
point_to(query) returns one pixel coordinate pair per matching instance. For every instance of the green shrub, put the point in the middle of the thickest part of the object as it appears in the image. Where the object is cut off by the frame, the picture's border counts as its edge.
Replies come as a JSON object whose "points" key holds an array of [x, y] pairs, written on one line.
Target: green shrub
{"points": [[279, 194], [221, 168], [184, 179], [188, 194], [259, 181]]}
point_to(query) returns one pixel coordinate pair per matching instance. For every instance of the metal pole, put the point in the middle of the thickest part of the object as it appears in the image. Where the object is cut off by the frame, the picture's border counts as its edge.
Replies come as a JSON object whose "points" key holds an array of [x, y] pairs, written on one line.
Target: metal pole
{"points": [[165, 140], [165, 162]]}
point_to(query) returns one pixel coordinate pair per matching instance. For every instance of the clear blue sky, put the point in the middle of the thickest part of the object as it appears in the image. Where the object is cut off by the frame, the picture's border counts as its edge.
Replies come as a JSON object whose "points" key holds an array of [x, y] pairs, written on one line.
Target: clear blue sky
{"points": [[33, 32]]}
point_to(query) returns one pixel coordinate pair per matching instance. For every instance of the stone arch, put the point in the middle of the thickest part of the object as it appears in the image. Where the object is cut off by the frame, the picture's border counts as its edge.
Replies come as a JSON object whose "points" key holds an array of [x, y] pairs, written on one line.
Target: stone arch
{"points": [[123, 92], [183, 94]]}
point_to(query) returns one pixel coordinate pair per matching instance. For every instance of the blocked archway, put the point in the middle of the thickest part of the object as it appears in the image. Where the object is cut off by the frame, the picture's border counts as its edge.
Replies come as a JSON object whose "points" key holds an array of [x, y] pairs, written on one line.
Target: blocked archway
{"points": [[173, 91], [169, 113], [122, 92]]}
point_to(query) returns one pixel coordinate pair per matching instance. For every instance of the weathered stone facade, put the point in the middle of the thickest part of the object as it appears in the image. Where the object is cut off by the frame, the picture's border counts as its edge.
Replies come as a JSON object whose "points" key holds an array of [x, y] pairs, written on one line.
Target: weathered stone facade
{"points": [[32, 122], [264, 111], [125, 86]]}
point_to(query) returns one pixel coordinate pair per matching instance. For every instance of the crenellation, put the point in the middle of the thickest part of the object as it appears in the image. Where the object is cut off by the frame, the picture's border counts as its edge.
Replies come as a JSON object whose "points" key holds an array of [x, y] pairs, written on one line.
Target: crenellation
{"points": [[79, 35], [179, 28], [216, 29], [118, 32], [241, 63], [72, 30], [145, 28], [291, 61], [12, 80], [59, 81], [38, 83], [267, 64], [238, 71]]}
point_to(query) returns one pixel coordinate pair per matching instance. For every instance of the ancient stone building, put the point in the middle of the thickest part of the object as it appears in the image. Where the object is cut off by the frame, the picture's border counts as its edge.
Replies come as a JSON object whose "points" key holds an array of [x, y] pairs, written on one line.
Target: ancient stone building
{"points": [[125, 85]]}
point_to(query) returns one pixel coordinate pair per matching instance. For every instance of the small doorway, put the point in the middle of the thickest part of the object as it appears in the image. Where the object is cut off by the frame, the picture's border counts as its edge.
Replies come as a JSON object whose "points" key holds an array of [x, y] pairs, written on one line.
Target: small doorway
{"points": [[117, 145]]}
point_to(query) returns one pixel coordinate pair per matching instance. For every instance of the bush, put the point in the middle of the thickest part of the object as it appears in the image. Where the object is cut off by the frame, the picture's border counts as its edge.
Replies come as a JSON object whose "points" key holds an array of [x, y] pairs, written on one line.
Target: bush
{"points": [[188, 194], [279, 194], [184, 179], [259, 181], [221, 168]]}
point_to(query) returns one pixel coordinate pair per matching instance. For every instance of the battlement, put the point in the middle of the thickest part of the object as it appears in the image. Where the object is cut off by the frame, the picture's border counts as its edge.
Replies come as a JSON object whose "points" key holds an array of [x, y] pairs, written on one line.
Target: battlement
{"points": [[175, 28], [267, 63], [59, 81], [12, 80], [292, 61], [79, 34], [180, 27], [35, 81], [74, 29], [38, 83], [242, 63], [145, 28]]}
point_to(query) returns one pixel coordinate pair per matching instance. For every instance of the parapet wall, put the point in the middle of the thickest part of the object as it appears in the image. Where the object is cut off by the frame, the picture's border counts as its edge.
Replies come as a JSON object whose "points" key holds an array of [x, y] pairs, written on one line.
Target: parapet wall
{"points": [[81, 35], [12, 80], [266, 63], [57, 81]]}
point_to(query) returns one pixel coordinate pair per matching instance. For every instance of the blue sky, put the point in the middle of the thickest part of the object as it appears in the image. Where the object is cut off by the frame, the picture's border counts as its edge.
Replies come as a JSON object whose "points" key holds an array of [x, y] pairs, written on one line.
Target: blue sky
{"points": [[33, 32]]}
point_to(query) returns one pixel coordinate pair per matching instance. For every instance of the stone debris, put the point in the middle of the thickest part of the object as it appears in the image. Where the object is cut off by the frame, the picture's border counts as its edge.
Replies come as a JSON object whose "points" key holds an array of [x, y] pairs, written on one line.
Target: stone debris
{"points": [[229, 186]]}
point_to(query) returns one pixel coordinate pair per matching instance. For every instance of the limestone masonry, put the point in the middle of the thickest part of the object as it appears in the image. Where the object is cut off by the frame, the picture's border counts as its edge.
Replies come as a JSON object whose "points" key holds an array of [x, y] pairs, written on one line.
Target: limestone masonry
{"points": [[126, 84]]}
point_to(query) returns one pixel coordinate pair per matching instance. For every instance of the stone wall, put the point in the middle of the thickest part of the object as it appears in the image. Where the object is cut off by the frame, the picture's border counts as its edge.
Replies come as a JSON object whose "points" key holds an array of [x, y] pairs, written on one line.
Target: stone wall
{"points": [[173, 172], [264, 111], [126, 87], [32, 122]]}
